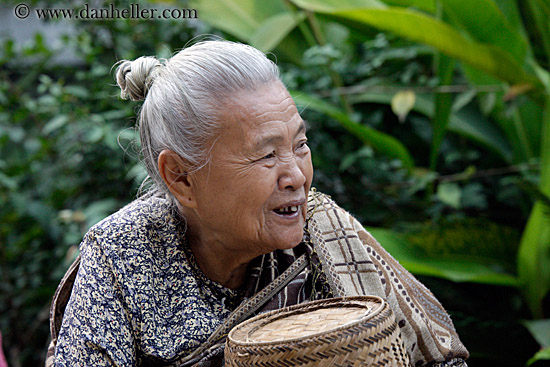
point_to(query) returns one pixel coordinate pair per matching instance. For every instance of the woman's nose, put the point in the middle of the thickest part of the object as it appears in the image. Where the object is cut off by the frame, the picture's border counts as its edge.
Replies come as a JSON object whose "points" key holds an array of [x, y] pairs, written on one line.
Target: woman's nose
{"points": [[292, 175]]}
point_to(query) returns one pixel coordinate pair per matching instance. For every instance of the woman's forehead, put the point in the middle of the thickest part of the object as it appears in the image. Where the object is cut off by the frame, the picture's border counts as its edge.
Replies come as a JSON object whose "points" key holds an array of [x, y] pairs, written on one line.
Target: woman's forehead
{"points": [[272, 97], [265, 111]]}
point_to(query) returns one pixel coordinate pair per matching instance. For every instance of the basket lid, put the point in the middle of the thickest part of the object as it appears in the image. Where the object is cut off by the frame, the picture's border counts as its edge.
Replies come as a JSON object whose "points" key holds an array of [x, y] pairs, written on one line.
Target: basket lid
{"points": [[307, 321], [349, 331]]}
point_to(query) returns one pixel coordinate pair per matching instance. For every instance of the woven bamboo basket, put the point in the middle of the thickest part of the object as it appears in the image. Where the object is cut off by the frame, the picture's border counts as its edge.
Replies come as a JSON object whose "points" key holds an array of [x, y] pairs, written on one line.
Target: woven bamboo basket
{"points": [[351, 331]]}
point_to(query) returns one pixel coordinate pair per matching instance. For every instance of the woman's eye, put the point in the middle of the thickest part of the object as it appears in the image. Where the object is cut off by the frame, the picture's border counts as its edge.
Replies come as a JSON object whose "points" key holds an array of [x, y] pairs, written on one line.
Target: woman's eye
{"points": [[302, 144], [269, 156]]}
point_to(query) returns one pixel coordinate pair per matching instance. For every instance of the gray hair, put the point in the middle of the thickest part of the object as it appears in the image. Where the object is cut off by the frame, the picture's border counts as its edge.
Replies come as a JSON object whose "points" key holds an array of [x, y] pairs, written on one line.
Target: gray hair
{"points": [[184, 97]]}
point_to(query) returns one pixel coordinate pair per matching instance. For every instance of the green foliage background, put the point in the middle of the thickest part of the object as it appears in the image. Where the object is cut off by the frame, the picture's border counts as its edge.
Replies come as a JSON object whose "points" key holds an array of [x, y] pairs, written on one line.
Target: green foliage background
{"points": [[448, 190]]}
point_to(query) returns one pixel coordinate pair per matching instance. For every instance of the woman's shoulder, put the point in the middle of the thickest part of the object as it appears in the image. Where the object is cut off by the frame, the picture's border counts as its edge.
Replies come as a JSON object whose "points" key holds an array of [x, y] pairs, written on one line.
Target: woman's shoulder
{"points": [[142, 212], [142, 222]]}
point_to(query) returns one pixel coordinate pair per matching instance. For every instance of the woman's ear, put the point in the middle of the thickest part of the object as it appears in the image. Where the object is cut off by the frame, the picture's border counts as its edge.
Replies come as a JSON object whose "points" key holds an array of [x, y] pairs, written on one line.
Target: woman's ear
{"points": [[174, 171]]}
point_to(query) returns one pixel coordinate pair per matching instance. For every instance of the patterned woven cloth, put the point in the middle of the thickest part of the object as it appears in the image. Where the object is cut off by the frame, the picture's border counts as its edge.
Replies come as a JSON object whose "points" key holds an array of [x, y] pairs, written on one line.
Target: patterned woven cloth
{"points": [[356, 264], [140, 299]]}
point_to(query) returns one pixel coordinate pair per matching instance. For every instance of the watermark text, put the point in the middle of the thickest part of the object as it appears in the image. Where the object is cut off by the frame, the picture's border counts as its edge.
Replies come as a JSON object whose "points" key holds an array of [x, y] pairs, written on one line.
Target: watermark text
{"points": [[87, 12]]}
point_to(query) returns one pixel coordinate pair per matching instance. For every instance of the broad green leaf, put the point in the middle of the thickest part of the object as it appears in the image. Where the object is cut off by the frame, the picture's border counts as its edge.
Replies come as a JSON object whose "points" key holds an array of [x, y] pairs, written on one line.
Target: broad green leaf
{"points": [[379, 141], [331, 5], [240, 18], [246, 21], [273, 30], [485, 23], [469, 125], [458, 270], [426, 5], [236, 20], [425, 29], [534, 259]]}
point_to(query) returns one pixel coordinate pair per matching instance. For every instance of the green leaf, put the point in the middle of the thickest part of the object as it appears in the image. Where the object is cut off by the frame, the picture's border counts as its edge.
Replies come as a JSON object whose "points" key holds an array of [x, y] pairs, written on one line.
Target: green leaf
{"points": [[239, 18], [273, 30], [425, 29], [323, 6], [541, 355], [7, 181], [534, 259], [379, 141], [55, 123], [450, 194], [426, 5], [455, 269], [402, 103], [246, 21], [486, 23]]}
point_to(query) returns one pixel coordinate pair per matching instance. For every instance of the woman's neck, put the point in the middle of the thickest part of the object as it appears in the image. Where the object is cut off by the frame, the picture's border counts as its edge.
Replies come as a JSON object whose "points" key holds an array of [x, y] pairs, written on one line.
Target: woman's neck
{"points": [[215, 260], [217, 267]]}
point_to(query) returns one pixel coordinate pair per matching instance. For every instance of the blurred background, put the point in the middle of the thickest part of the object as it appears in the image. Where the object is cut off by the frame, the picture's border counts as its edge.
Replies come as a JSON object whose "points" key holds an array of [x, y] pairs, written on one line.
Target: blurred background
{"points": [[429, 120]]}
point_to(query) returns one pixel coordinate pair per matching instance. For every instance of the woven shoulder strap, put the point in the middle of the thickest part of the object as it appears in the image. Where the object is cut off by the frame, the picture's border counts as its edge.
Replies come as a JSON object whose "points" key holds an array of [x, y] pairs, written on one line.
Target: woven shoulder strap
{"points": [[57, 309]]}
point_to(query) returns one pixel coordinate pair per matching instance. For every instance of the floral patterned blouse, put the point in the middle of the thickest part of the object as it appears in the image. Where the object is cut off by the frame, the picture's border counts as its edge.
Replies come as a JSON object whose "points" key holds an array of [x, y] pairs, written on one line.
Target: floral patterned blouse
{"points": [[139, 293]]}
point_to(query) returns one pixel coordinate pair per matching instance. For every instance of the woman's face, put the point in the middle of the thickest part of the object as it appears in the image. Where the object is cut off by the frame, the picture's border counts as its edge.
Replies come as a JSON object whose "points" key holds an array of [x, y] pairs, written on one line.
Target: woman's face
{"points": [[252, 195]]}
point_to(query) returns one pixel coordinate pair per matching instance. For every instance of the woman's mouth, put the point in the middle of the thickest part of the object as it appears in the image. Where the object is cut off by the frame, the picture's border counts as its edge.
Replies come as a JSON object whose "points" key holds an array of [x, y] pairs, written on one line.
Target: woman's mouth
{"points": [[290, 209], [287, 210]]}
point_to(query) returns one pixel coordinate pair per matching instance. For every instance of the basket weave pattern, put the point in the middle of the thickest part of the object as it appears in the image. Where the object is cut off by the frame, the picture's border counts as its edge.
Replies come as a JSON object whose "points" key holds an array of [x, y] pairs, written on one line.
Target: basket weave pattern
{"points": [[352, 331]]}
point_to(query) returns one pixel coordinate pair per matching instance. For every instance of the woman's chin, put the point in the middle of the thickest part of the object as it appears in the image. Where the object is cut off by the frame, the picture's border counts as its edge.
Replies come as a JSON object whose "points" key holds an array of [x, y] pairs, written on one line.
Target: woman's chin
{"points": [[288, 240]]}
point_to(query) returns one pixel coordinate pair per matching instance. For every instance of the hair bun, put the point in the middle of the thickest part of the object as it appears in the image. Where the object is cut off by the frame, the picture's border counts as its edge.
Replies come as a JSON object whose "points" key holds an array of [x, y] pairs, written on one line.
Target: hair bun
{"points": [[136, 77]]}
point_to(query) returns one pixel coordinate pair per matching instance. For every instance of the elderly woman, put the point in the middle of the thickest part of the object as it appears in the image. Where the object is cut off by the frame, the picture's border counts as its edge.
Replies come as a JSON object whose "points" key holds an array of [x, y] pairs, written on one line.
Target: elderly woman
{"points": [[230, 229]]}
